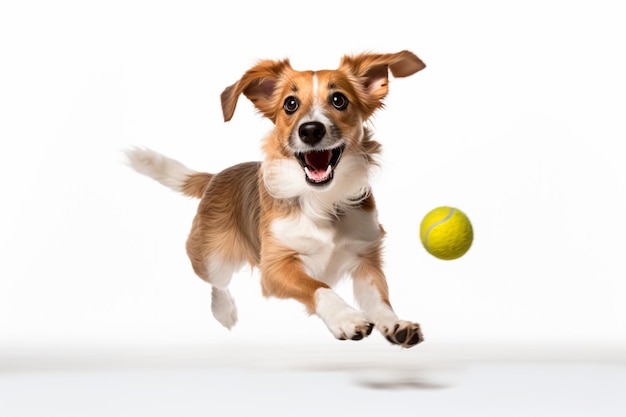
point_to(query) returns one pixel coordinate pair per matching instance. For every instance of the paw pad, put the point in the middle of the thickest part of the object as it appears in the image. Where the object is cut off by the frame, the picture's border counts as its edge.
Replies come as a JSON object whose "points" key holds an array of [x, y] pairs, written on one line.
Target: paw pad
{"points": [[405, 334]]}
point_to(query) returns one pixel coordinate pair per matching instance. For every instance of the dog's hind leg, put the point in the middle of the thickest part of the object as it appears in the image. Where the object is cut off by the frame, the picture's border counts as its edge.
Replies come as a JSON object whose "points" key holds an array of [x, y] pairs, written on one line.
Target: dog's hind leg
{"points": [[219, 274], [224, 234], [216, 261], [222, 303]]}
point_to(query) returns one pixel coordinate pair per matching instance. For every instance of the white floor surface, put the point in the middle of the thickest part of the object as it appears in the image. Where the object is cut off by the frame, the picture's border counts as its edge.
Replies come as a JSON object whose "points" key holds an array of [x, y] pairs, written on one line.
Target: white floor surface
{"points": [[341, 379]]}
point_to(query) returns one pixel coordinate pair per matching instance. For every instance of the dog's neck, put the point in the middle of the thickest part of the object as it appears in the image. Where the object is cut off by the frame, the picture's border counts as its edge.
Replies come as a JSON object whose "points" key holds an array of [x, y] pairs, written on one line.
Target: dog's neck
{"points": [[284, 180], [319, 206]]}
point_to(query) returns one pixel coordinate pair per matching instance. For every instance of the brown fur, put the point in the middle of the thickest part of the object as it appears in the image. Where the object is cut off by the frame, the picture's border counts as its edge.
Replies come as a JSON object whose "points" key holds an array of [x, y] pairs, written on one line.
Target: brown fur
{"points": [[227, 221], [196, 184]]}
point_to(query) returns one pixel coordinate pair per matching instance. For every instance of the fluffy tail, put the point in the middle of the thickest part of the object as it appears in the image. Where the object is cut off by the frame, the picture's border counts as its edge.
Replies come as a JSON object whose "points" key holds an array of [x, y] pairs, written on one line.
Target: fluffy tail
{"points": [[168, 172]]}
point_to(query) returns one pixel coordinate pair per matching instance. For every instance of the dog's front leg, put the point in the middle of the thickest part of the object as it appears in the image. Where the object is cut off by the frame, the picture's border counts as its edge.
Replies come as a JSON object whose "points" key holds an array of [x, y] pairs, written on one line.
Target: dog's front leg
{"points": [[372, 294], [283, 276]]}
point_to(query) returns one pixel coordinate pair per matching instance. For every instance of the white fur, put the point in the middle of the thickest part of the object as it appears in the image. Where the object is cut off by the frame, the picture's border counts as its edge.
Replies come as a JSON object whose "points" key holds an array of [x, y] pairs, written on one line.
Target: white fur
{"points": [[219, 275], [368, 298], [223, 307], [167, 171], [314, 241], [329, 248], [284, 179], [342, 320], [316, 86], [219, 272]]}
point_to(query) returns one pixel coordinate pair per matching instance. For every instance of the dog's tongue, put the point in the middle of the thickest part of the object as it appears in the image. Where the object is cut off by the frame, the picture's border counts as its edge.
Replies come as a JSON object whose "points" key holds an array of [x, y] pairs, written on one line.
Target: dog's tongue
{"points": [[317, 165]]}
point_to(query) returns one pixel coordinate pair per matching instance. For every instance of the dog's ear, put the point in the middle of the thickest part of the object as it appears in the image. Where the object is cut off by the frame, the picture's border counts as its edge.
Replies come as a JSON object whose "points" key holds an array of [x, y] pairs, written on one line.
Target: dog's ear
{"points": [[372, 72], [257, 84]]}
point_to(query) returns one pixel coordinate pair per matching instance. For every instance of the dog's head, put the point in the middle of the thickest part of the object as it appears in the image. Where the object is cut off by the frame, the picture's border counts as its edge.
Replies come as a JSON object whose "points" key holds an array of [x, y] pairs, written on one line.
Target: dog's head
{"points": [[319, 115]]}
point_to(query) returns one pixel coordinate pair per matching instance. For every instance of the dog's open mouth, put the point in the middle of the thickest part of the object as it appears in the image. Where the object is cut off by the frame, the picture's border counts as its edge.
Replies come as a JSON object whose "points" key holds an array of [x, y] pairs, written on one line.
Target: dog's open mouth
{"points": [[319, 166]]}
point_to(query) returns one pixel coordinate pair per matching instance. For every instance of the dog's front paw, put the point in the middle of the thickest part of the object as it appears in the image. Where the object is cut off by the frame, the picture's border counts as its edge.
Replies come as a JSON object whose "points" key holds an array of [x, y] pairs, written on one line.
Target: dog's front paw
{"points": [[404, 333], [343, 321], [353, 326]]}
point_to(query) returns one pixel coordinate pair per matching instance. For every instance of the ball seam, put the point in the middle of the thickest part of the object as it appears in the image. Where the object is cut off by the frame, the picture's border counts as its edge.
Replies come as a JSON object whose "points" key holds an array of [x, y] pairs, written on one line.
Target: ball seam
{"points": [[432, 226]]}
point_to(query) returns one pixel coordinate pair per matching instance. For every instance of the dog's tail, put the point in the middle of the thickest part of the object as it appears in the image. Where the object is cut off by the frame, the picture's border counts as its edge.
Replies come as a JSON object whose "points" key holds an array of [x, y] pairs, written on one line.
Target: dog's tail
{"points": [[168, 172]]}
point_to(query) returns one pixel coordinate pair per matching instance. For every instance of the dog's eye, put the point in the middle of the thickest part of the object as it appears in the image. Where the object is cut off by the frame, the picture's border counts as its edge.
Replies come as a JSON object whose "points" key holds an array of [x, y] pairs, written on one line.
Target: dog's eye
{"points": [[290, 105], [339, 101]]}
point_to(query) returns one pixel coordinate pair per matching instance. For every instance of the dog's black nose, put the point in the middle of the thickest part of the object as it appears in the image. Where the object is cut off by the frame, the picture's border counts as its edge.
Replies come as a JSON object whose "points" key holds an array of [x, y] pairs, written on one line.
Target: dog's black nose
{"points": [[311, 132]]}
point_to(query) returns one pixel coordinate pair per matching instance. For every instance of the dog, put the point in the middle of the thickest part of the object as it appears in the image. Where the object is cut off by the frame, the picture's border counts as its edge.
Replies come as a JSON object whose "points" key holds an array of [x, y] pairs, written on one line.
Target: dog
{"points": [[305, 215]]}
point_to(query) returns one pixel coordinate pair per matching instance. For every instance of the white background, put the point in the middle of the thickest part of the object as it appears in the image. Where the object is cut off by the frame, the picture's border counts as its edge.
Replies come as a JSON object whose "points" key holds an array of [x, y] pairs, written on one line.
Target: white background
{"points": [[517, 120]]}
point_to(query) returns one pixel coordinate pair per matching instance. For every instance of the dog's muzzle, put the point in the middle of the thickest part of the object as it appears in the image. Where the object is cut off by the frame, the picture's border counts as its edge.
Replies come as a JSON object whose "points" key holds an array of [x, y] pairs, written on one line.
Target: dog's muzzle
{"points": [[318, 164]]}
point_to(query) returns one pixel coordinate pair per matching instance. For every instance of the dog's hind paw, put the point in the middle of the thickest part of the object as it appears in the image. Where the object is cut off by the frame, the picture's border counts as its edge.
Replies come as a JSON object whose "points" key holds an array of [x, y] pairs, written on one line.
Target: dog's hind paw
{"points": [[404, 333], [224, 308]]}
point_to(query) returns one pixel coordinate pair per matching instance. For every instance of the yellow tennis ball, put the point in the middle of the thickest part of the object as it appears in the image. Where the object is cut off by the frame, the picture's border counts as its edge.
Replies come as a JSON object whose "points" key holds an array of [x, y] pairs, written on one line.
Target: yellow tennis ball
{"points": [[446, 233]]}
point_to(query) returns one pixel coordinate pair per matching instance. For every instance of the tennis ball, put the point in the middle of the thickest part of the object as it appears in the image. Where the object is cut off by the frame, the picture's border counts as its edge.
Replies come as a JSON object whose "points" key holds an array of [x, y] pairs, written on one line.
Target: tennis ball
{"points": [[446, 233]]}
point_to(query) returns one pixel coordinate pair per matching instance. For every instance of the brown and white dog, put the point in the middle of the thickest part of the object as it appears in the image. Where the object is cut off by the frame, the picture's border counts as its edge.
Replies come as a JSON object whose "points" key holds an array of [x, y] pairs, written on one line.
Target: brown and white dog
{"points": [[305, 216]]}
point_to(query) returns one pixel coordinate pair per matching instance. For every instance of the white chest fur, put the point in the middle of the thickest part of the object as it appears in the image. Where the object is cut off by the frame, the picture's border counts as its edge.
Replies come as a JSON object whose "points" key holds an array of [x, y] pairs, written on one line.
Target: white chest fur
{"points": [[328, 248], [315, 241]]}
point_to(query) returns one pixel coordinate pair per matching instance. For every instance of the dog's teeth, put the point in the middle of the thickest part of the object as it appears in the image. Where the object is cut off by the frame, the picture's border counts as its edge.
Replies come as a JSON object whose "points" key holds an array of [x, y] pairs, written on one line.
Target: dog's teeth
{"points": [[317, 176]]}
